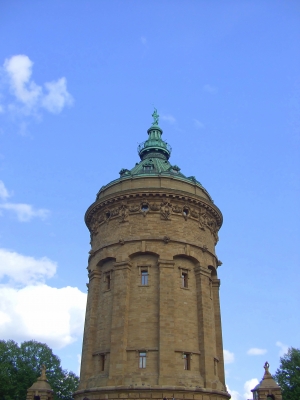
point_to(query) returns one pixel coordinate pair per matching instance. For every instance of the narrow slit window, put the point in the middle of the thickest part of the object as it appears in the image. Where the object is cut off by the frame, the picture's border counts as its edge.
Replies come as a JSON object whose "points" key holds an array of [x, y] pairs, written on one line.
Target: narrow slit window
{"points": [[142, 361], [186, 361], [102, 362], [108, 281], [184, 279], [144, 277]]}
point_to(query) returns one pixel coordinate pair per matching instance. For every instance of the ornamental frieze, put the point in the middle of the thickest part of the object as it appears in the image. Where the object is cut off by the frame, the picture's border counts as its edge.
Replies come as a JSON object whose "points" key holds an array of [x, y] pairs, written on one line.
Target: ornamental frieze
{"points": [[134, 208], [177, 209], [154, 207], [165, 210], [205, 215], [123, 211]]}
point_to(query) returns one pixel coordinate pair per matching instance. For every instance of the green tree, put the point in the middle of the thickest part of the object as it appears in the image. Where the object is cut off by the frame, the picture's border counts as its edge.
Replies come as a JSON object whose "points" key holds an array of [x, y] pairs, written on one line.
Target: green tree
{"points": [[20, 366], [288, 375]]}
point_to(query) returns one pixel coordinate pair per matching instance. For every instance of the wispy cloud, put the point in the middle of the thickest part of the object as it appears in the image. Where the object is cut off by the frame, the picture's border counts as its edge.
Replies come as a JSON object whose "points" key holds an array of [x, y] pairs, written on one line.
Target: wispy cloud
{"points": [[210, 89], [3, 192], [169, 118], [228, 357], [30, 98], [143, 40], [198, 124], [283, 348], [254, 351], [24, 212]]}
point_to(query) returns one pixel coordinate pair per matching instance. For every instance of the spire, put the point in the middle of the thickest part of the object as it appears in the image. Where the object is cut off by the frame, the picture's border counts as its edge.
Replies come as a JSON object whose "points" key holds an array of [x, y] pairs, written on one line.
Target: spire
{"points": [[154, 146]]}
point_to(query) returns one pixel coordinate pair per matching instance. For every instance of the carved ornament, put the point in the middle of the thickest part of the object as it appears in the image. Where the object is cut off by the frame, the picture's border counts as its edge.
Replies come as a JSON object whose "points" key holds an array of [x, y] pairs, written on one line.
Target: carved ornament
{"points": [[165, 210]]}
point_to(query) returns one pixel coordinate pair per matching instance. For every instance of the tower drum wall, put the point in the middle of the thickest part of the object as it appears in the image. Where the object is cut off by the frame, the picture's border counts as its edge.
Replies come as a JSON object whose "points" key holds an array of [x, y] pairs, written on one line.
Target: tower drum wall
{"points": [[153, 326]]}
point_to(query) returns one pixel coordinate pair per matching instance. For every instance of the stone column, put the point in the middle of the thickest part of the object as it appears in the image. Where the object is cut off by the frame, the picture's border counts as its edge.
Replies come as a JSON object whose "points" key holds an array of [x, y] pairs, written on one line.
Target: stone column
{"points": [[166, 322], [218, 329], [90, 326], [206, 325], [119, 323]]}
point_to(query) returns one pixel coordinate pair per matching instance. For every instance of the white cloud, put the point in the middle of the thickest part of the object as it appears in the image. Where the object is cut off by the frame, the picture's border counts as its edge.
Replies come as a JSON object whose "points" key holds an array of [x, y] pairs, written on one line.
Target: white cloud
{"points": [[169, 118], [30, 309], [42, 313], [254, 351], [234, 394], [3, 191], [228, 357], [143, 40], [25, 270], [58, 96], [248, 386], [19, 71], [198, 124], [53, 97], [210, 89], [25, 212], [283, 348]]}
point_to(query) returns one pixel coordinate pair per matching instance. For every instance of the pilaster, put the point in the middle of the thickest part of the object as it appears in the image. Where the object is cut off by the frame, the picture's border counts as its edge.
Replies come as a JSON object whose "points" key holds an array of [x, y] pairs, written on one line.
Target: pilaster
{"points": [[206, 326], [90, 326], [218, 329], [119, 324], [166, 321]]}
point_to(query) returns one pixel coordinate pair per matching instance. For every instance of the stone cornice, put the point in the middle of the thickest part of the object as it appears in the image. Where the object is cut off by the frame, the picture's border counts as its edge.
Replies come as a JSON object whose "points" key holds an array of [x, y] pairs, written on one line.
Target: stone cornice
{"points": [[155, 193]]}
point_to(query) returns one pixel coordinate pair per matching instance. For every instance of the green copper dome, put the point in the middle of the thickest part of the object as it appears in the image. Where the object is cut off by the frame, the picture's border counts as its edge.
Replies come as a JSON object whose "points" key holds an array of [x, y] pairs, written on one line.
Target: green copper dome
{"points": [[154, 154]]}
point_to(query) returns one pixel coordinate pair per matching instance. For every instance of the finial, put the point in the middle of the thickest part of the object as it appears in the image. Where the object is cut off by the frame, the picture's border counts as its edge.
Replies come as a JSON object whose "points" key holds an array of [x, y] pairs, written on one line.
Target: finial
{"points": [[155, 117], [266, 367], [43, 373]]}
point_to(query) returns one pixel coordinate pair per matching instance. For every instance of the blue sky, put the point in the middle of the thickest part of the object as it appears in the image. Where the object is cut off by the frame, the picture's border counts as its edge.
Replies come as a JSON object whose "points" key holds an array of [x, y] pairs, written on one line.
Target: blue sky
{"points": [[78, 83]]}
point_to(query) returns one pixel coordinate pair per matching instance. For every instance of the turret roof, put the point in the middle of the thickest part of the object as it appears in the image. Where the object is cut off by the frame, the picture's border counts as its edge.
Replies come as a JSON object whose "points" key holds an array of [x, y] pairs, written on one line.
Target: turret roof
{"points": [[154, 154]]}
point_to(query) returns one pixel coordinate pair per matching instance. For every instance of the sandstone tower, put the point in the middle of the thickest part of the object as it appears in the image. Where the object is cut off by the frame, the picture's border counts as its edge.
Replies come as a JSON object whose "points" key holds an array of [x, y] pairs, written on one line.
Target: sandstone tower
{"points": [[153, 323]]}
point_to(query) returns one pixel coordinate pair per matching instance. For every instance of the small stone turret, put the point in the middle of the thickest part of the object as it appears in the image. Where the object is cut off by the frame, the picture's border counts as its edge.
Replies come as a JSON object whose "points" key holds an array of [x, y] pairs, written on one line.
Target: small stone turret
{"points": [[40, 390], [267, 389]]}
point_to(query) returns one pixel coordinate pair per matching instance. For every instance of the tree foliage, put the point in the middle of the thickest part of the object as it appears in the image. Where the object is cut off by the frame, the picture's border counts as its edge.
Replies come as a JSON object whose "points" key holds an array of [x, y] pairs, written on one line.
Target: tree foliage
{"points": [[288, 374], [20, 366]]}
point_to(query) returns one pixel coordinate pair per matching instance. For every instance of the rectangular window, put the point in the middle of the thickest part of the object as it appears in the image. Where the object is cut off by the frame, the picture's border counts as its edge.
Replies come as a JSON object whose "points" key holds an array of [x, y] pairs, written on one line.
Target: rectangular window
{"points": [[186, 361], [144, 277], [184, 279], [142, 362], [102, 362]]}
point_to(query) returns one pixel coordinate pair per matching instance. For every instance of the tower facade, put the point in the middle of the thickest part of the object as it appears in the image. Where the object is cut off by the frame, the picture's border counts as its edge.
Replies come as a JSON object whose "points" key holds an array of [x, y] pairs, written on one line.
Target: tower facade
{"points": [[153, 323]]}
